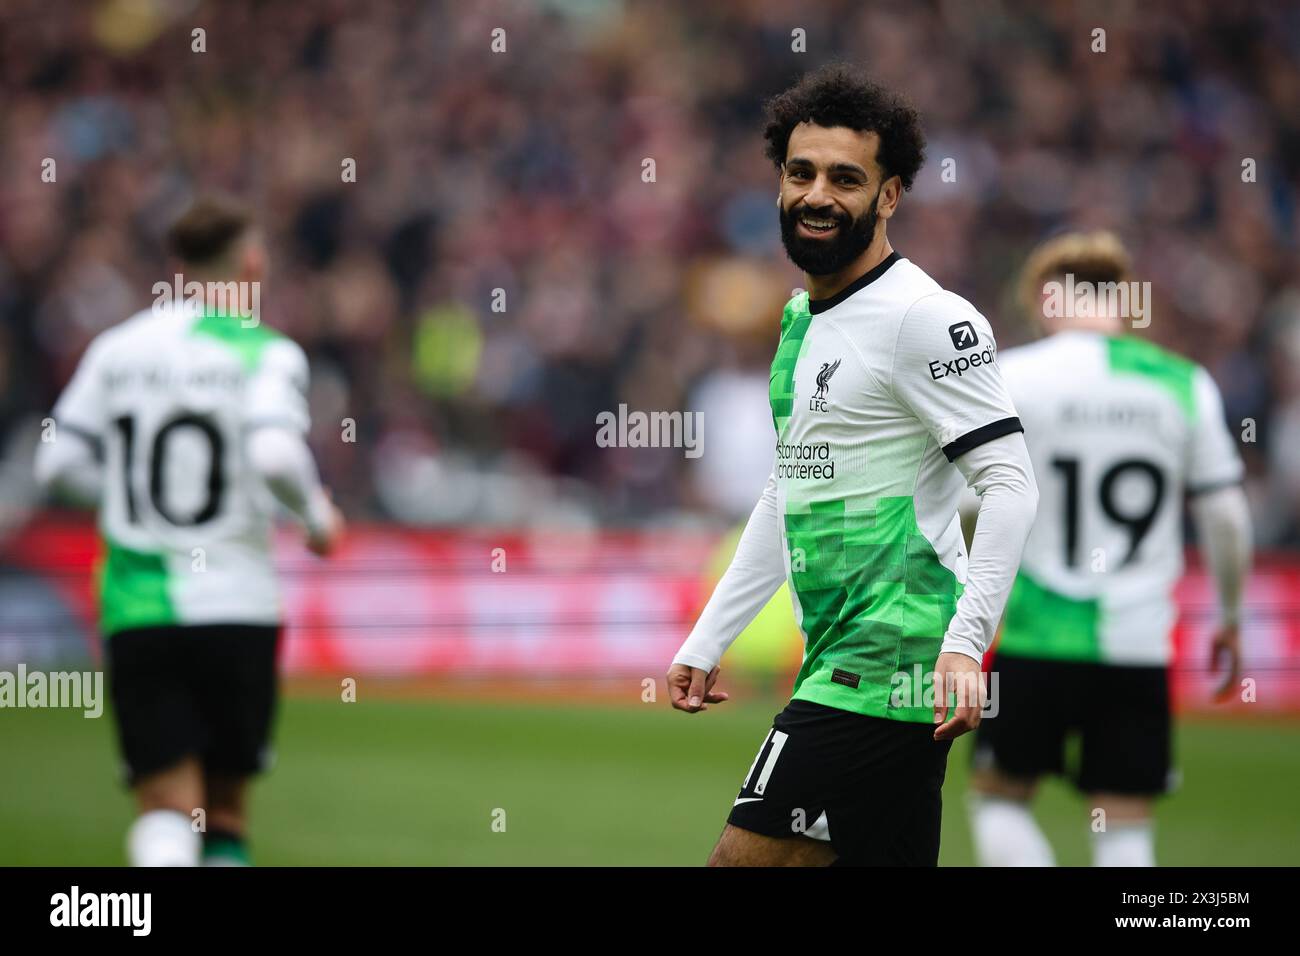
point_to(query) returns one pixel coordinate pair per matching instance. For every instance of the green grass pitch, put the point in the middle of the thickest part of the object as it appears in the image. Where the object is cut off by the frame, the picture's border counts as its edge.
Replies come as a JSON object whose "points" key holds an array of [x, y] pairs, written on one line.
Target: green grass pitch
{"points": [[402, 781]]}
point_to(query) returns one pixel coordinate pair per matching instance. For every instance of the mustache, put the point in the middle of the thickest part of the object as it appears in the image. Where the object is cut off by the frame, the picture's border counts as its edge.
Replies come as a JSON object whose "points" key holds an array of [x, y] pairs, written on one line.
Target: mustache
{"points": [[828, 213]]}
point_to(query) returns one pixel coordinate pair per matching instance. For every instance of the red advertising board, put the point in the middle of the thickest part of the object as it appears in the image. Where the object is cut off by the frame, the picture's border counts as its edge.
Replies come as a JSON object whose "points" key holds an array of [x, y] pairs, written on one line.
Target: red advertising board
{"points": [[472, 603]]}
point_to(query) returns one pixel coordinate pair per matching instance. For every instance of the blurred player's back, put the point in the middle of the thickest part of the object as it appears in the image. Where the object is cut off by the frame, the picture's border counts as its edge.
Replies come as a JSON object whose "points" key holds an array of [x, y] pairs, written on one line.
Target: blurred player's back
{"points": [[178, 426], [1119, 431], [186, 521]]}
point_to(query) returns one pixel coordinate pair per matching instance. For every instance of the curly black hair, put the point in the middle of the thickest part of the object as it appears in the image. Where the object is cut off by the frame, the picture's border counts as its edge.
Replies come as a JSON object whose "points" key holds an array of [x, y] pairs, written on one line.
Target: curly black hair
{"points": [[837, 95]]}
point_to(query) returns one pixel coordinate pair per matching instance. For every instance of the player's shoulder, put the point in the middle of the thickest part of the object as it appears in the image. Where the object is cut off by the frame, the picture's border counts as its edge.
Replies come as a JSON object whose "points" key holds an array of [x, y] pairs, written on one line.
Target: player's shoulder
{"points": [[1131, 351], [904, 280], [279, 349], [279, 356], [1050, 355], [125, 338], [902, 297], [259, 347], [1051, 367], [927, 312], [1184, 379]]}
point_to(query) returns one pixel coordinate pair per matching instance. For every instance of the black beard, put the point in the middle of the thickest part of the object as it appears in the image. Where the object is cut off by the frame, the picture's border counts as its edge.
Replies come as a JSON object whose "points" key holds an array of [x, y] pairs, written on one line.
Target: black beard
{"points": [[820, 257]]}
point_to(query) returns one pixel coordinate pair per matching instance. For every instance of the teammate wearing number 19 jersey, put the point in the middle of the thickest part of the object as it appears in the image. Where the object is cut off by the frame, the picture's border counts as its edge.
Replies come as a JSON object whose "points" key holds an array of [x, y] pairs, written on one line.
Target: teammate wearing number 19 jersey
{"points": [[1120, 432], [180, 425], [888, 401]]}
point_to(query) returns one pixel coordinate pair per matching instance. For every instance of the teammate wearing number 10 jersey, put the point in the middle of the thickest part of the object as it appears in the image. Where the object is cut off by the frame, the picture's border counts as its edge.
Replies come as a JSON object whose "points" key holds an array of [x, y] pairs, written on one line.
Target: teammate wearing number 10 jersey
{"points": [[176, 425], [1120, 432]]}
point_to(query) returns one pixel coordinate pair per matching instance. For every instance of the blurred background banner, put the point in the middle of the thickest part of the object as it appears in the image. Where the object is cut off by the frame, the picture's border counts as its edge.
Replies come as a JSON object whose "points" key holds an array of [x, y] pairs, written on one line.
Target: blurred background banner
{"points": [[593, 607]]}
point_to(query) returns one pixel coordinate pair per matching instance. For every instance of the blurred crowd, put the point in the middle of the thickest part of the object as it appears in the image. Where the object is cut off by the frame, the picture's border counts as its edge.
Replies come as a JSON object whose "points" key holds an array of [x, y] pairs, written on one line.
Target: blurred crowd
{"points": [[507, 264]]}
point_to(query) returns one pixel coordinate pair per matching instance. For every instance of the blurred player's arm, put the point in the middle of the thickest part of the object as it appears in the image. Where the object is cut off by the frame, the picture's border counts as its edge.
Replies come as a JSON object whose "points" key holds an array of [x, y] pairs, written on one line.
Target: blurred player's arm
{"points": [[755, 573], [276, 445], [283, 460], [1223, 526], [69, 459], [70, 466], [1222, 516]]}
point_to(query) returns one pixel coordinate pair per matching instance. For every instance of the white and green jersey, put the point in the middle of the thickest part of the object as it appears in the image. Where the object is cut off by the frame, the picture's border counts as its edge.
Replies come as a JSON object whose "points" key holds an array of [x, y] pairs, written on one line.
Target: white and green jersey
{"points": [[874, 393], [169, 396], [1119, 431]]}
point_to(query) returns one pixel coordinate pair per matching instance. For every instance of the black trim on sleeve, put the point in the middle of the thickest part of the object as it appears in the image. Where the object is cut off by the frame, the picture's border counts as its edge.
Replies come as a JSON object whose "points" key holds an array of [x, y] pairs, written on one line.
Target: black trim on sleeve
{"points": [[985, 433], [857, 285], [1214, 486]]}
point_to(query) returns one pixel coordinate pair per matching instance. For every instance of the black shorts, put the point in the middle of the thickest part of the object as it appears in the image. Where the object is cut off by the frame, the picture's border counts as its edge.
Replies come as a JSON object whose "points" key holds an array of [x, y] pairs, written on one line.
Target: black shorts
{"points": [[873, 787], [1121, 714], [207, 691]]}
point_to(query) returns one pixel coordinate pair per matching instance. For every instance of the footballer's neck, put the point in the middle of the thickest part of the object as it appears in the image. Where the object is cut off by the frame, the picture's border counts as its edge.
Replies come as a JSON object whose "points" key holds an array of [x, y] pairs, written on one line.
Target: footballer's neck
{"points": [[826, 286]]}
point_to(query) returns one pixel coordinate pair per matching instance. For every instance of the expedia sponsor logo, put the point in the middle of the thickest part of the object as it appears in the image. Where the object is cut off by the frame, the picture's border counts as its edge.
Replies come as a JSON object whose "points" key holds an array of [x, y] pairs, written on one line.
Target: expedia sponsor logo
{"points": [[804, 460], [962, 364], [963, 335]]}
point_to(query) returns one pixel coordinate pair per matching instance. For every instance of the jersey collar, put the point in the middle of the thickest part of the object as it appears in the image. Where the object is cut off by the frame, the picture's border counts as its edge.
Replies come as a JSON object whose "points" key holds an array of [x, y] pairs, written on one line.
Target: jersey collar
{"points": [[857, 285]]}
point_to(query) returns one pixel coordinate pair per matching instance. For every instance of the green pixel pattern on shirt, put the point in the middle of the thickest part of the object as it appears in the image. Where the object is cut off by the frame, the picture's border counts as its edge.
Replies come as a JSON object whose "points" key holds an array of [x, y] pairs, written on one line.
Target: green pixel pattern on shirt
{"points": [[874, 598], [876, 602], [795, 321]]}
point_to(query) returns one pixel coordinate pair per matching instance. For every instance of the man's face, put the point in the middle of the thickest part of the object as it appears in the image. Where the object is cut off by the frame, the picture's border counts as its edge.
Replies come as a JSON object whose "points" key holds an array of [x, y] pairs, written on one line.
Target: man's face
{"points": [[830, 185]]}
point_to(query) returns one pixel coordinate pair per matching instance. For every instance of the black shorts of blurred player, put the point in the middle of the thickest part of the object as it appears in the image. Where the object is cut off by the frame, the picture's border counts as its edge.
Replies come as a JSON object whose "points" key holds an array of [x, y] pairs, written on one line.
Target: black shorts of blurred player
{"points": [[194, 706], [852, 790], [1120, 713]]}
